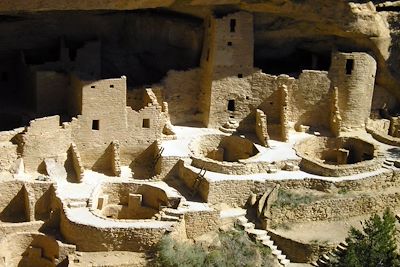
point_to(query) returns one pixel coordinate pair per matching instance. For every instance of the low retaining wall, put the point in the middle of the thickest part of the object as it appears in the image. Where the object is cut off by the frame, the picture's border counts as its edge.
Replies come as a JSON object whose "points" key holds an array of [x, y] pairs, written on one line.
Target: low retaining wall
{"points": [[334, 209], [109, 239], [384, 138], [298, 251]]}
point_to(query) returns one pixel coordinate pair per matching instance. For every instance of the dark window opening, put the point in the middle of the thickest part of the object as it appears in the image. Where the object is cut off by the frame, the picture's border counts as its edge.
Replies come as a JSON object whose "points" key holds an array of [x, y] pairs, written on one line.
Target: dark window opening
{"points": [[233, 25], [4, 77], [349, 66], [72, 53], [247, 97], [388, 8], [92, 86], [231, 105], [146, 123], [111, 85], [240, 75], [96, 125], [229, 43], [42, 55], [208, 54], [292, 64]]}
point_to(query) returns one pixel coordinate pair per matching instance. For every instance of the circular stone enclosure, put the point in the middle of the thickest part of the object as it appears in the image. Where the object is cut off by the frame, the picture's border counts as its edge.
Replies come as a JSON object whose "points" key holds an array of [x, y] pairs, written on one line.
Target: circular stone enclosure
{"points": [[341, 156], [226, 154], [223, 148], [131, 201]]}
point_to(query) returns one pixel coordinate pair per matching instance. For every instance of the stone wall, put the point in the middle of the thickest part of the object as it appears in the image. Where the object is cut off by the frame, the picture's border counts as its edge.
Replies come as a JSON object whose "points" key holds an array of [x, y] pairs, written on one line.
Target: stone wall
{"points": [[201, 222], [334, 209], [23, 202], [298, 251], [108, 239], [354, 76], [15, 249], [39, 142], [308, 96], [8, 156], [181, 91]]}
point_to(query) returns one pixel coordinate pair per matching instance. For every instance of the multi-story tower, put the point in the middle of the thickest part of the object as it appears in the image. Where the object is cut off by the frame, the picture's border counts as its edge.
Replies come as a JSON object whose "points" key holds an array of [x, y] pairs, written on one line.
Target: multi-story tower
{"points": [[227, 61], [354, 76]]}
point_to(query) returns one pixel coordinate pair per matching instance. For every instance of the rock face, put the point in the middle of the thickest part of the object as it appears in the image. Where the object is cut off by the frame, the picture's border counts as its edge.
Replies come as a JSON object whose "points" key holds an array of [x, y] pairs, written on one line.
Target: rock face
{"points": [[300, 33]]}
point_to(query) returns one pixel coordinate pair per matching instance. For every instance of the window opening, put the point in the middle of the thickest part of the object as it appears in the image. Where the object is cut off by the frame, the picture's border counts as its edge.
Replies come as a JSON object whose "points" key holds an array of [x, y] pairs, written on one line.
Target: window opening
{"points": [[349, 66], [231, 105]]}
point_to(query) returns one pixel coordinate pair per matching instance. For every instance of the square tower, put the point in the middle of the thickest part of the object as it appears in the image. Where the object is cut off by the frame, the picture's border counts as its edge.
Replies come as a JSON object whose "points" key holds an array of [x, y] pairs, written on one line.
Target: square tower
{"points": [[227, 60]]}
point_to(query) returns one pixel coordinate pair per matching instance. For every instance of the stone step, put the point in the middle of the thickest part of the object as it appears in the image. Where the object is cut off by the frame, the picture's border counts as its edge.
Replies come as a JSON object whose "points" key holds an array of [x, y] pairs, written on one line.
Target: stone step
{"points": [[263, 238], [273, 247], [257, 232], [285, 262], [173, 212], [281, 257], [232, 213], [325, 257], [321, 262], [268, 243], [248, 226], [242, 220], [388, 163], [169, 218], [390, 159], [276, 252]]}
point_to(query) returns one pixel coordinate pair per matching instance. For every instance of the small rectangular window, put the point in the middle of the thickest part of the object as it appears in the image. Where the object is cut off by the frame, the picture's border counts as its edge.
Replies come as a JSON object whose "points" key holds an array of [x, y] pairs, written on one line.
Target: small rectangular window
{"points": [[4, 77], [233, 25], [229, 43], [349, 66], [146, 123], [111, 85], [96, 125], [240, 75], [231, 105], [208, 54], [92, 86]]}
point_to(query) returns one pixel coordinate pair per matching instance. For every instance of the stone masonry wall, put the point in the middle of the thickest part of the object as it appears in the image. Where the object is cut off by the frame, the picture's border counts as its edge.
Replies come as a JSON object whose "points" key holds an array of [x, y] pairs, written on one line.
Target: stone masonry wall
{"points": [[45, 138], [181, 91], [107, 239], [335, 209], [201, 222], [354, 76]]}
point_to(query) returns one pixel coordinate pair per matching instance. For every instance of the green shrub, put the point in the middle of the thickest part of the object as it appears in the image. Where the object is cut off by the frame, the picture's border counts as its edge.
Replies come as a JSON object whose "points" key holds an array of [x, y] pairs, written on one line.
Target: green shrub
{"points": [[235, 250], [375, 245], [290, 199], [176, 254]]}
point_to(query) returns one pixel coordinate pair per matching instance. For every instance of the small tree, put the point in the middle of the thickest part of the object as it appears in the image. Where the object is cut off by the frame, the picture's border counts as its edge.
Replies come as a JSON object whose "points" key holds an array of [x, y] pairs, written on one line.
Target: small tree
{"points": [[374, 246]]}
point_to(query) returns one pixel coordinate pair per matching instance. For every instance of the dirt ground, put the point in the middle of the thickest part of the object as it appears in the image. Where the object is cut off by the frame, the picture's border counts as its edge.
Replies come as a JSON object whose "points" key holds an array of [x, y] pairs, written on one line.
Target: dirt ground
{"points": [[109, 259]]}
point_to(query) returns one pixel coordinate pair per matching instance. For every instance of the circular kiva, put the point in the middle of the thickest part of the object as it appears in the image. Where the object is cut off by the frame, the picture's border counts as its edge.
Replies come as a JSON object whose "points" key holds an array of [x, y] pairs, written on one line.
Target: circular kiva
{"points": [[226, 154], [341, 156]]}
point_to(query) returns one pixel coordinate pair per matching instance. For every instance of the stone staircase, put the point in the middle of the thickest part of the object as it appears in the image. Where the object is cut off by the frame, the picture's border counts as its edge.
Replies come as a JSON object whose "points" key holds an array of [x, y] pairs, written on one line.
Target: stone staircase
{"points": [[168, 214], [326, 258], [263, 237]]}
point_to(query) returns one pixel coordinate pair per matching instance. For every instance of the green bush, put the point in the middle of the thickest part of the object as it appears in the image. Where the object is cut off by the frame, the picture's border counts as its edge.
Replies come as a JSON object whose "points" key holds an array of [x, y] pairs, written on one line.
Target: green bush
{"points": [[289, 199], [235, 249], [175, 254], [375, 245]]}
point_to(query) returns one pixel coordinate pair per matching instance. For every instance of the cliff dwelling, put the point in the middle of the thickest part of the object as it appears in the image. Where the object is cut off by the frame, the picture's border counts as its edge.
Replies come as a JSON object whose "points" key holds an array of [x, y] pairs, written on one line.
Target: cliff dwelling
{"points": [[126, 122]]}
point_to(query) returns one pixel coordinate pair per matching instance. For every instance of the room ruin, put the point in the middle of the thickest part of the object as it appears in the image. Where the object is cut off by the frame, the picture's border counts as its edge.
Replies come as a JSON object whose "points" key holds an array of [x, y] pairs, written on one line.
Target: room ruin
{"points": [[122, 124]]}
